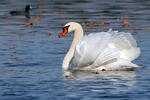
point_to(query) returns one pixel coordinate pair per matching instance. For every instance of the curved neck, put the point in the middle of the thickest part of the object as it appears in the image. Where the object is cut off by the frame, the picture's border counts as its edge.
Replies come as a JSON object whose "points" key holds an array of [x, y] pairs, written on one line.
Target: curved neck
{"points": [[78, 34]]}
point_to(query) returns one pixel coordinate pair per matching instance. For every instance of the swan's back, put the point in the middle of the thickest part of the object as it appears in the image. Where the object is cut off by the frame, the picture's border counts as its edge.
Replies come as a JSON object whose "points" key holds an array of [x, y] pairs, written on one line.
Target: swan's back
{"points": [[104, 47]]}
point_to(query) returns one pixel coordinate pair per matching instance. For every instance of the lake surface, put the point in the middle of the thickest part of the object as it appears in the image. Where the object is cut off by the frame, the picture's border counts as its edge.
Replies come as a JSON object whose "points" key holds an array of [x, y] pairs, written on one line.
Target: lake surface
{"points": [[31, 55]]}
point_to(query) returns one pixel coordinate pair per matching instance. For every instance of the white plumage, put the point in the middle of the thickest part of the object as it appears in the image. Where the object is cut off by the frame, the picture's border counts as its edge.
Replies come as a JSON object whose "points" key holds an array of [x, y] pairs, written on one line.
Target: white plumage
{"points": [[111, 50]]}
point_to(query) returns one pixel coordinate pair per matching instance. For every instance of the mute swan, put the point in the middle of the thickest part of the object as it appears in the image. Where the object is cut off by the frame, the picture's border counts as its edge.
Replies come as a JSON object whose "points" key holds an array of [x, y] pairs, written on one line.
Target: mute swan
{"points": [[99, 51]]}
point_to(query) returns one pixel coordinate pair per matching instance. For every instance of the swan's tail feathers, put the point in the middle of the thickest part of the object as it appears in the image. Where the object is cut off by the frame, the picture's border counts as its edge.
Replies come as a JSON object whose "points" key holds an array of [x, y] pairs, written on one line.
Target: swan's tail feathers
{"points": [[122, 64]]}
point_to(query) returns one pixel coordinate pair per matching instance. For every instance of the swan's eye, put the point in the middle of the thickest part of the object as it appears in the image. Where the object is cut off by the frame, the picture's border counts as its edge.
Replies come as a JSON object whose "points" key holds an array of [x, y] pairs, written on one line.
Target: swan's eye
{"points": [[66, 27]]}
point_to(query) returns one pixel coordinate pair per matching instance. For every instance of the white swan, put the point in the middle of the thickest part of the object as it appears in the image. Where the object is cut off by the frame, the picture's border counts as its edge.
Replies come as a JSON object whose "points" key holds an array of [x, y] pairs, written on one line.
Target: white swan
{"points": [[110, 50]]}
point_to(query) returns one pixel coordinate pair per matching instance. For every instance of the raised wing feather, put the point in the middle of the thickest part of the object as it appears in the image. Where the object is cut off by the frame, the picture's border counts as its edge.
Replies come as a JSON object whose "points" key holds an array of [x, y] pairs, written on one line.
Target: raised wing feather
{"points": [[126, 44], [103, 48], [90, 47]]}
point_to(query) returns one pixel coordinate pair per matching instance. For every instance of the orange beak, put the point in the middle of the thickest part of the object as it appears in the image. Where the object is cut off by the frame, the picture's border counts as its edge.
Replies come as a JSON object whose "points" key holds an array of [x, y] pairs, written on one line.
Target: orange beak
{"points": [[65, 30]]}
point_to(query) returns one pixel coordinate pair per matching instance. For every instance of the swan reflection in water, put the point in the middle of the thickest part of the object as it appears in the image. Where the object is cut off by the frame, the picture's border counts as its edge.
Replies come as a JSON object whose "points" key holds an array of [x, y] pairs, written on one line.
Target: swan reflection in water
{"points": [[99, 85], [81, 74]]}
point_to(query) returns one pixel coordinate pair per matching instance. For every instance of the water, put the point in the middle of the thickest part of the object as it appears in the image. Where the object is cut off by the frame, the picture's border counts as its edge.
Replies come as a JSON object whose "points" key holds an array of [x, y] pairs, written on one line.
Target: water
{"points": [[31, 57]]}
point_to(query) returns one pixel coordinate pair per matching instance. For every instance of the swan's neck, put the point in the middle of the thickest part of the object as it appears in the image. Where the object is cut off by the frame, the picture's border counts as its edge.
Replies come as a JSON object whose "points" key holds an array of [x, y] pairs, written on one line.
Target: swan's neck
{"points": [[78, 34]]}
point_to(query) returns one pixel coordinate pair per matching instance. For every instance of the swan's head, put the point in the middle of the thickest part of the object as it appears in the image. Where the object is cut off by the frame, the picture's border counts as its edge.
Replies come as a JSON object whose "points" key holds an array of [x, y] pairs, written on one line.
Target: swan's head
{"points": [[70, 27]]}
